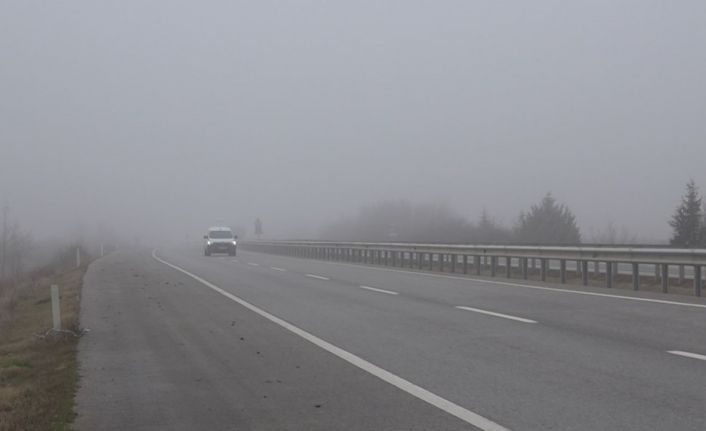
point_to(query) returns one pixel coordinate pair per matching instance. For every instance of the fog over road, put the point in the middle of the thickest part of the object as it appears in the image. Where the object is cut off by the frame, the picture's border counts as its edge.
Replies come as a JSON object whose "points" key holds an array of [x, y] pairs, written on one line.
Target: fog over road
{"points": [[167, 350]]}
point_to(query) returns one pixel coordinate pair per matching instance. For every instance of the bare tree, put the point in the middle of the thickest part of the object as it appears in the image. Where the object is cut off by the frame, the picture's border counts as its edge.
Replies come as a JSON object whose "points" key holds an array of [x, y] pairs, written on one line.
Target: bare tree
{"points": [[19, 245]]}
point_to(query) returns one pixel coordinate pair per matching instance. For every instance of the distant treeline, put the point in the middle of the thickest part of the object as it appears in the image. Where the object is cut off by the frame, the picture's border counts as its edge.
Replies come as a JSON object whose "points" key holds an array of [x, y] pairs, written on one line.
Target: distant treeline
{"points": [[547, 222]]}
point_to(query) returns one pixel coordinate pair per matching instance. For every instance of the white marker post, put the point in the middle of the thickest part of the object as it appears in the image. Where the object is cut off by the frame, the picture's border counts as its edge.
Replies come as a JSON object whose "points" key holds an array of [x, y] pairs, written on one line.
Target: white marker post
{"points": [[55, 307], [78, 257]]}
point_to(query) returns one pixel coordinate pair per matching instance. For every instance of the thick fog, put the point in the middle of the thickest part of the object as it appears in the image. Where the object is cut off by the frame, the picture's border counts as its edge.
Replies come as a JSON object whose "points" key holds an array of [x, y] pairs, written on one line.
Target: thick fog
{"points": [[160, 118]]}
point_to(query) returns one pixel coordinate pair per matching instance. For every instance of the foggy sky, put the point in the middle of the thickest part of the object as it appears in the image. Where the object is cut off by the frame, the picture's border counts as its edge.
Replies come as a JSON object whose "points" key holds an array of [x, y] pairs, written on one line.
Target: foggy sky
{"points": [[170, 116]]}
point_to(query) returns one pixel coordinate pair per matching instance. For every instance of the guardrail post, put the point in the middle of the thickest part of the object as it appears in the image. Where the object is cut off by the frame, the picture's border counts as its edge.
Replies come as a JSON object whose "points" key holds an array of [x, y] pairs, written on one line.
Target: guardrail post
{"points": [[431, 261], [635, 276], [697, 280], [665, 278], [508, 267], [562, 271], [477, 264], [596, 269], [584, 272], [681, 274], [454, 258], [543, 269], [657, 273], [465, 264], [609, 275], [523, 267], [442, 257]]}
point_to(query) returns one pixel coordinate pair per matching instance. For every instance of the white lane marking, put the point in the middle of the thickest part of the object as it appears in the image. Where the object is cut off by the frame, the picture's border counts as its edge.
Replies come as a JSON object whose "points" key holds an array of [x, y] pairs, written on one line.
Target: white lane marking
{"points": [[317, 277], [375, 289], [687, 354], [528, 286], [253, 264], [449, 407], [277, 269], [492, 313]]}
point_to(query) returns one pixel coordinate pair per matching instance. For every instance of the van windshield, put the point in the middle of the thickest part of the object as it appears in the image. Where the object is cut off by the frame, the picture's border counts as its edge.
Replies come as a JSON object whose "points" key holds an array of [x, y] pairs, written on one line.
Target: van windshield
{"points": [[220, 234]]}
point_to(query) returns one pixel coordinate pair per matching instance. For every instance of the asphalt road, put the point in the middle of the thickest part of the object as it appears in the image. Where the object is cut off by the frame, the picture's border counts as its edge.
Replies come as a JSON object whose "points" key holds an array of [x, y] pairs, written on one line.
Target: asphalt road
{"points": [[265, 342]]}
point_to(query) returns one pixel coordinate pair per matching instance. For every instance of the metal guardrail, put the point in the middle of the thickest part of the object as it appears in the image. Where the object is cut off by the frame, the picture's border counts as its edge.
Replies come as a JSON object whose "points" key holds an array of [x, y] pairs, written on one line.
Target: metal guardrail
{"points": [[480, 258]]}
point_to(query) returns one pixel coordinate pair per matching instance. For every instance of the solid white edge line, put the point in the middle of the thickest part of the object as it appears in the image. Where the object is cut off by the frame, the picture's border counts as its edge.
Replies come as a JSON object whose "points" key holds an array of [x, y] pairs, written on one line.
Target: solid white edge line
{"points": [[319, 277], [277, 269], [253, 264], [492, 313], [529, 286], [687, 354], [375, 289], [384, 375]]}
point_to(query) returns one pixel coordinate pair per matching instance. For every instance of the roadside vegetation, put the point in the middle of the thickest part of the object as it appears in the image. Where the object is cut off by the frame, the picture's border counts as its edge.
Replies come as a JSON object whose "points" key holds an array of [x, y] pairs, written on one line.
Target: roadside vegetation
{"points": [[38, 368], [547, 222]]}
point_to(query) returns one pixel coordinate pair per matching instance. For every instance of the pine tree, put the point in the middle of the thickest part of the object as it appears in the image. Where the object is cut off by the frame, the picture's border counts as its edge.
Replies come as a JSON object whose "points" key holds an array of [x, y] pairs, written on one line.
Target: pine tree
{"points": [[687, 221], [548, 223]]}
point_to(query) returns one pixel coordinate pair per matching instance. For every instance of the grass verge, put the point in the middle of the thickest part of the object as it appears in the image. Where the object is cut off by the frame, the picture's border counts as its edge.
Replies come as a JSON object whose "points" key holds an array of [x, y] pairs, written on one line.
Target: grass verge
{"points": [[38, 373]]}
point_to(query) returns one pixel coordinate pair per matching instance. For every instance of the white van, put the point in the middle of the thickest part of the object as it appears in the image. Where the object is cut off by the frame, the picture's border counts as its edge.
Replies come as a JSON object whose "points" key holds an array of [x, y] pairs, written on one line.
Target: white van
{"points": [[220, 240]]}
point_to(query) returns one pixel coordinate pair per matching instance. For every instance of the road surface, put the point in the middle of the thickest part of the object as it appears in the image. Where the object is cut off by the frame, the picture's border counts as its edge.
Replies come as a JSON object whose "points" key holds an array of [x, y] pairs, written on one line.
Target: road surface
{"points": [[266, 342]]}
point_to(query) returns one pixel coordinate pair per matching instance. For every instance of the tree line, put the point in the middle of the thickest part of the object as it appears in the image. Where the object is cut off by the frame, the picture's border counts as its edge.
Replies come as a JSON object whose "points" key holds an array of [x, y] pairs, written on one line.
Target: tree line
{"points": [[546, 222]]}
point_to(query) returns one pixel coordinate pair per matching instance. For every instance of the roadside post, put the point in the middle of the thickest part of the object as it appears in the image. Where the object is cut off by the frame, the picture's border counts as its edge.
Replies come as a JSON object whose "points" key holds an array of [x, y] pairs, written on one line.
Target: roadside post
{"points": [[55, 307]]}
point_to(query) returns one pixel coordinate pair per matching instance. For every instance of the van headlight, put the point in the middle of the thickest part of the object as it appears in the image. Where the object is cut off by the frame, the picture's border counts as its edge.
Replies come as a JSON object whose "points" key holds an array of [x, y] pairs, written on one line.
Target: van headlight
{"points": [[235, 243], [208, 242]]}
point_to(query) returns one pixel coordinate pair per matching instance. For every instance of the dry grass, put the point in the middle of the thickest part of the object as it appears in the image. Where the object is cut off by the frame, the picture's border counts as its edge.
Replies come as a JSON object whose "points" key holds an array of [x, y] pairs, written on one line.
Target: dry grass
{"points": [[38, 375]]}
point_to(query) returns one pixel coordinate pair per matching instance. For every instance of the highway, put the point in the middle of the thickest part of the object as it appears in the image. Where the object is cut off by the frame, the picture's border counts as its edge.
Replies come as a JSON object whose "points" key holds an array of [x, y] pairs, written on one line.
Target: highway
{"points": [[266, 342]]}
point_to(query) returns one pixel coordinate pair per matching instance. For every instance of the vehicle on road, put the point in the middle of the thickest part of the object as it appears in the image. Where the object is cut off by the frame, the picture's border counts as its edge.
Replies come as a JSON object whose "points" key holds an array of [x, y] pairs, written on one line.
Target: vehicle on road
{"points": [[220, 240]]}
